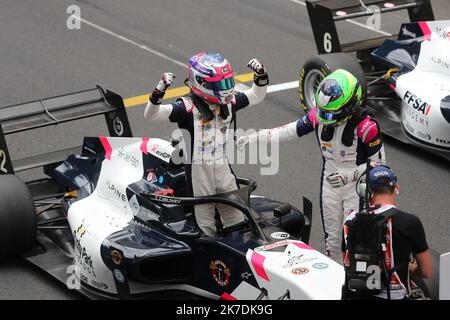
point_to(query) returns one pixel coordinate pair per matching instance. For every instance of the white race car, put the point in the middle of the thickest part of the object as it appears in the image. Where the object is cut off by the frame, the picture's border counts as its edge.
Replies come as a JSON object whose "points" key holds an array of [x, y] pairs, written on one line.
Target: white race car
{"points": [[407, 76], [112, 219]]}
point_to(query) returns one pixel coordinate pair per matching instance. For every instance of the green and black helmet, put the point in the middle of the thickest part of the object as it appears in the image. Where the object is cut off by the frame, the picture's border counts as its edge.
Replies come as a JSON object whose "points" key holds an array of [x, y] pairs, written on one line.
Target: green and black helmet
{"points": [[338, 97]]}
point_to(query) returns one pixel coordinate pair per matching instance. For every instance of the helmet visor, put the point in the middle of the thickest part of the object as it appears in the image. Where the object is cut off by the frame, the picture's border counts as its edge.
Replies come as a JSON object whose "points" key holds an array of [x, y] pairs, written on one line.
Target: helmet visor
{"points": [[223, 84], [327, 116]]}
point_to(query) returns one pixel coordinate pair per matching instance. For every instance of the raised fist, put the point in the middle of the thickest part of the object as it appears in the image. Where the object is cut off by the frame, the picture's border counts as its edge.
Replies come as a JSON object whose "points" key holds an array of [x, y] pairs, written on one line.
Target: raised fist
{"points": [[256, 66], [165, 82]]}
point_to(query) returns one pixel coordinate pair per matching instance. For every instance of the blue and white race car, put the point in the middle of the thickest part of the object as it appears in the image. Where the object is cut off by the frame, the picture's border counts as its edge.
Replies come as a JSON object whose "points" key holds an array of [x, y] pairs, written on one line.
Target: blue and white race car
{"points": [[112, 219], [407, 76]]}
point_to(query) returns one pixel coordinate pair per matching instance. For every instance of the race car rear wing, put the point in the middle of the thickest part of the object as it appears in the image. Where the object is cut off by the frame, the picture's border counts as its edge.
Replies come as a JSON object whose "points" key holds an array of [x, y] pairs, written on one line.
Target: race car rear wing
{"points": [[54, 111], [324, 14]]}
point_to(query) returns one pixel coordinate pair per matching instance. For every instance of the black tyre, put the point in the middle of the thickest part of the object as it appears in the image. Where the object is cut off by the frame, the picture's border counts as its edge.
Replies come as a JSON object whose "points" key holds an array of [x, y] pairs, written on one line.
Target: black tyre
{"points": [[17, 217], [317, 68]]}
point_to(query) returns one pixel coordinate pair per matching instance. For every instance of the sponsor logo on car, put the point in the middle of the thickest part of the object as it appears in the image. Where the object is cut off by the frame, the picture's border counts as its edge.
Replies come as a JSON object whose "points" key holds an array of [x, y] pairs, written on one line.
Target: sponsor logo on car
{"points": [[423, 135], [118, 126], [163, 155], [416, 103], [300, 270], [272, 246], [441, 61], [220, 272], [99, 285], [320, 265], [116, 256], [83, 259], [167, 200], [246, 275], [415, 116], [81, 230], [151, 176], [298, 260], [442, 33], [116, 192], [280, 235], [120, 277], [132, 160]]}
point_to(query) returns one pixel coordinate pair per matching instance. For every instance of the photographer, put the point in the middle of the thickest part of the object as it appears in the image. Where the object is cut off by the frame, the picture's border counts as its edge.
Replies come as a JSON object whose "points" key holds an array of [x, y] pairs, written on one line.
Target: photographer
{"points": [[383, 244]]}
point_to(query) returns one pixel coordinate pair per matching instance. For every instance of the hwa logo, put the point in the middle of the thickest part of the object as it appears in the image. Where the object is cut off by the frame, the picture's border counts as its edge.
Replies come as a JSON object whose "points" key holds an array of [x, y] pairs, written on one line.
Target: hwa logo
{"points": [[416, 103]]}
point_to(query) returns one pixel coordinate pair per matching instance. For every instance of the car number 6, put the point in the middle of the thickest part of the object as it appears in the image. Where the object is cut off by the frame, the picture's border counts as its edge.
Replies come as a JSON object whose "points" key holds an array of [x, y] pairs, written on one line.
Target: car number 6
{"points": [[327, 45]]}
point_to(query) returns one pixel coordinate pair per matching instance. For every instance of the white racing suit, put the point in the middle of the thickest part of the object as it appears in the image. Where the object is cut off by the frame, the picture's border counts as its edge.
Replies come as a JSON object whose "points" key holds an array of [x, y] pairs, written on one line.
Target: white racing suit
{"points": [[208, 171], [345, 150]]}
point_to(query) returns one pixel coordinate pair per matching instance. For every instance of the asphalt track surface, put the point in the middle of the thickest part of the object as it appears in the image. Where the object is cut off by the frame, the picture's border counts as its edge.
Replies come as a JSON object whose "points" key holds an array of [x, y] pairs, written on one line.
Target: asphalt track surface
{"points": [[40, 57]]}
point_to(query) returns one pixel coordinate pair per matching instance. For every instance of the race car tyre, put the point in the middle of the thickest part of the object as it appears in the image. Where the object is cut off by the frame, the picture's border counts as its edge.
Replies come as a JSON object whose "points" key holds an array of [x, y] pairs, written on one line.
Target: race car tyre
{"points": [[17, 217], [317, 68]]}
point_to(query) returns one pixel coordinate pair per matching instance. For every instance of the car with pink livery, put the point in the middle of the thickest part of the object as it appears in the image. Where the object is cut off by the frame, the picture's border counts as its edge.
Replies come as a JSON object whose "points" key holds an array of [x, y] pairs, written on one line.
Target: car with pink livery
{"points": [[113, 219]]}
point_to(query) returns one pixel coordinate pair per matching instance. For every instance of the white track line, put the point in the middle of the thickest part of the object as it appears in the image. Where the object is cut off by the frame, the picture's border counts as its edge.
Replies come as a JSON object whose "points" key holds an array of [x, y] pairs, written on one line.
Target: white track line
{"points": [[282, 86], [362, 25], [272, 88], [134, 43], [166, 57]]}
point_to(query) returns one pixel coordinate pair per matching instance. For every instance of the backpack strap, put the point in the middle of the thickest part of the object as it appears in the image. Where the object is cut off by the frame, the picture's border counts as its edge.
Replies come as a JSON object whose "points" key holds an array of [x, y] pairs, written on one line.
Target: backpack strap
{"points": [[389, 213], [386, 215]]}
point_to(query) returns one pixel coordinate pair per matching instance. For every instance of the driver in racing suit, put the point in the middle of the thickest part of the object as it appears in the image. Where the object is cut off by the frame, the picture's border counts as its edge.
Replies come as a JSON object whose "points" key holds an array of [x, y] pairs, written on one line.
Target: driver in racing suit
{"points": [[205, 115], [347, 137]]}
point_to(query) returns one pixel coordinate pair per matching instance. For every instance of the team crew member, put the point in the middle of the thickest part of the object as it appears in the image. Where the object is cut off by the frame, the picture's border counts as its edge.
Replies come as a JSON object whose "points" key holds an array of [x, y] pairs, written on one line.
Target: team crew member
{"points": [[407, 253], [347, 137], [206, 113]]}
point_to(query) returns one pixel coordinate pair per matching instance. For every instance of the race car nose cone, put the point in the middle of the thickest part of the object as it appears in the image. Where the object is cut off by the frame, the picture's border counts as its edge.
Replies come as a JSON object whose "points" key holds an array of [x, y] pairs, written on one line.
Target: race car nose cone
{"points": [[445, 108]]}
